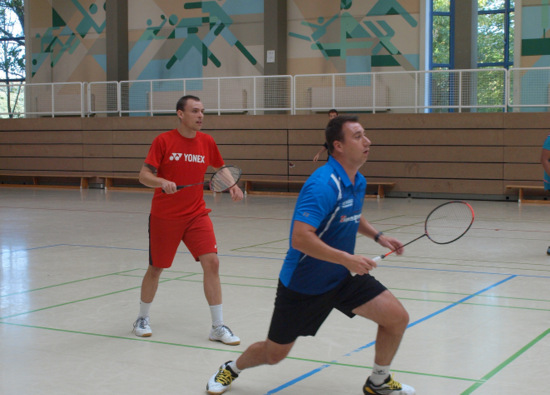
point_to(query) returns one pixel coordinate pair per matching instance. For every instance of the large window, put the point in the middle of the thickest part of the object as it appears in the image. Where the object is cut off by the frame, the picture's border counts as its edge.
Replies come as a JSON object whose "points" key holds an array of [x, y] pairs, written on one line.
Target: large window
{"points": [[12, 41], [442, 35], [12, 55], [451, 89], [495, 33]]}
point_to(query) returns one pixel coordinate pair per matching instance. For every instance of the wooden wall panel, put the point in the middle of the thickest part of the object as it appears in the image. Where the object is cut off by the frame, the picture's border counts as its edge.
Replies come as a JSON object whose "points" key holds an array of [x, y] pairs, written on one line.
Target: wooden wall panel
{"points": [[522, 154], [232, 152], [485, 171], [469, 153], [437, 137], [523, 172], [453, 154], [42, 164], [43, 150], [99, 165], [42, 137], [448, 187], [249, 137], [97, 151], [130, 151]]}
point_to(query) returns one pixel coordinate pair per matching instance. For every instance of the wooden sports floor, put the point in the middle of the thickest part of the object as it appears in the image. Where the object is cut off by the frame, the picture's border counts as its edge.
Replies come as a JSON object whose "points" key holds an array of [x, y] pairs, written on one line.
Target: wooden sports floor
{"points": [[72, 263]]}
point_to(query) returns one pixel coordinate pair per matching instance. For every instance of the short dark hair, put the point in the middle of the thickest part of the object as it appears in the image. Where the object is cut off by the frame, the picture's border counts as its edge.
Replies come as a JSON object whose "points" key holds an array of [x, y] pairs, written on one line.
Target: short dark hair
{"points": [[333, 131], [180, 105], [333, 110]]}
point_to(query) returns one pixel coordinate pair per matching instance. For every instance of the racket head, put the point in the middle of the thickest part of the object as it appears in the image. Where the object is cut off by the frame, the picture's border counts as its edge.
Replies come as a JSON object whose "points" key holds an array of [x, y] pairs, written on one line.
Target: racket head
{"points": [[225, 178], [449, 221]]}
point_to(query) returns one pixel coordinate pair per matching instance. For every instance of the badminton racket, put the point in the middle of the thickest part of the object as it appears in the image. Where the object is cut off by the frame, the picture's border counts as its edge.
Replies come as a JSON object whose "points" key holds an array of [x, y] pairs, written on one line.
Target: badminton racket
{"points": [[221, 180], [446, 223]]}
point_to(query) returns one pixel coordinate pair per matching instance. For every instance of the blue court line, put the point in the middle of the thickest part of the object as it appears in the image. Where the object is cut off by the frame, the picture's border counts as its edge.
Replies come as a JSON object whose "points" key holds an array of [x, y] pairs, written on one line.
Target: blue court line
{"points": [[2, 252], [277, 259], [317, 370]]}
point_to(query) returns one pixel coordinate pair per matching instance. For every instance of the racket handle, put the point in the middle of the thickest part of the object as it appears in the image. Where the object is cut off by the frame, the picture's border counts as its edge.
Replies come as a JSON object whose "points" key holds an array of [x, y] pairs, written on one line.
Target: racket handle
{"points": [[375, 259]]}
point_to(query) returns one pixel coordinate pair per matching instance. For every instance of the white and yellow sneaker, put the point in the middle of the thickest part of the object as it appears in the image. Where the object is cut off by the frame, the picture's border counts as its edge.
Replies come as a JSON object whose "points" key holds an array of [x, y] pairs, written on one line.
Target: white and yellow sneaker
{"points": [[221, 380], [388, 387]]}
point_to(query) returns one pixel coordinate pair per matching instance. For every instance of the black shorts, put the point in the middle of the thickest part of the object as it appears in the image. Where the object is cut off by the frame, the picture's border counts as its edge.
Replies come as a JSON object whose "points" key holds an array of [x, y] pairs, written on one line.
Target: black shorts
{"points": [[296, 314]]}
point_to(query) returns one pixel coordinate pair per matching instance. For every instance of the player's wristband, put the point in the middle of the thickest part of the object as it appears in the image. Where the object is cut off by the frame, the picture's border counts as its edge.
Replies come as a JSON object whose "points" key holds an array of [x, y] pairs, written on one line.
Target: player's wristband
{"points": [[378, 236]]}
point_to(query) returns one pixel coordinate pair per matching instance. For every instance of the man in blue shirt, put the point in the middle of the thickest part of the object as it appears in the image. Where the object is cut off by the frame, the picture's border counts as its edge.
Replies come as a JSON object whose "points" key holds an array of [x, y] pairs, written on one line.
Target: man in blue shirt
{"points": [[316, 276], [545, 161]]}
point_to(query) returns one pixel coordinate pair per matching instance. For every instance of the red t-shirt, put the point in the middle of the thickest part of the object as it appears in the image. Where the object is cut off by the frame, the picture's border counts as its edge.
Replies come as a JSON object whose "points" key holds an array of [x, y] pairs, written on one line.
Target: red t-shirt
{"points": [[183, 161]]}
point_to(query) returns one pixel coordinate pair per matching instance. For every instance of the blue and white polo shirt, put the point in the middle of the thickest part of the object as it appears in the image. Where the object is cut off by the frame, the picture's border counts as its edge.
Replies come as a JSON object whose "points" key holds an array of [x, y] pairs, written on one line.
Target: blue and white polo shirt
{"points": [[331, 204]]}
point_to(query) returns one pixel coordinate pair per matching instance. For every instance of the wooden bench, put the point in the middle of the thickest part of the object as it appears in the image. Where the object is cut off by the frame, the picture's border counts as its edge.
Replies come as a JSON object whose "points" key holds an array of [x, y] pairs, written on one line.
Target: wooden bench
{"points": [[250, 182], [382, 186], [521, 192]]}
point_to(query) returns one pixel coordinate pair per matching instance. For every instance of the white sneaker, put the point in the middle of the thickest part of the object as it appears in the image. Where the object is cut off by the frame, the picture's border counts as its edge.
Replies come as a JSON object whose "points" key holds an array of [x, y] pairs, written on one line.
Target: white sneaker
{"points": [[221, 380], [388, 387], [223, 334], [142, 328]]}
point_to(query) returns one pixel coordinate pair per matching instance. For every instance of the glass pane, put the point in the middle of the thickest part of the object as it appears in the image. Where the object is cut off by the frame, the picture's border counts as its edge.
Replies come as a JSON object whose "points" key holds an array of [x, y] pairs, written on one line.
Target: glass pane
{"points": [[441, 5], [490, 38], [511, 37], [441, 39], [486, 5]]}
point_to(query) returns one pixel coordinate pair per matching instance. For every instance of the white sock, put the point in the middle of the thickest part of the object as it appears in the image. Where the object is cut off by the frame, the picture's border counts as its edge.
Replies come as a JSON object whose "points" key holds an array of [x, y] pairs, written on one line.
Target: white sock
{"points": [[217, 315], [144, 309], [379, 374], [234, 368]]}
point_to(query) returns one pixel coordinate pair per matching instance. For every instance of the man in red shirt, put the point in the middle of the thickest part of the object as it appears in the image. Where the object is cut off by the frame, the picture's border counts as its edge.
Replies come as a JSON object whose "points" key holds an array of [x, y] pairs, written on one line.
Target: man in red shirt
{"points": [[181, 157]]}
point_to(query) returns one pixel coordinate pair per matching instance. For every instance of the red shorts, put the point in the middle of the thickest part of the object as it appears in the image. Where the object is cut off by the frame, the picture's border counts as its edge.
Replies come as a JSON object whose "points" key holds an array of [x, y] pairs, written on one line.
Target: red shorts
{"points": [[165, 236]]}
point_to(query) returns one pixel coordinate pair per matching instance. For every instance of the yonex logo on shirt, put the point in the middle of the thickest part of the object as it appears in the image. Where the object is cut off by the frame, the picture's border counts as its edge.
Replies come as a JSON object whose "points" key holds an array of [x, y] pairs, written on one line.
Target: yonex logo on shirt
{"points": [[187, 157], [194, 158]]}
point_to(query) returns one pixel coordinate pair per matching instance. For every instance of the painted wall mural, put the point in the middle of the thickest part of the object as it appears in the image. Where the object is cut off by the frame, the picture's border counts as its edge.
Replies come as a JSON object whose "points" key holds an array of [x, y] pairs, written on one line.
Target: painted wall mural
{"points": [[195, 39], [535, 33], [535, 52], [167, 39], [353, 36], [67, 40]]}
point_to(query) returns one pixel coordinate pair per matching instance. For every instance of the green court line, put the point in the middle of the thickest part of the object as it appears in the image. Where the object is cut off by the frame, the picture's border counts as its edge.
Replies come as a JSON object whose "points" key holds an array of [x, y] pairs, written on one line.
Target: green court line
{"points": [[133, 338], [85, 299], [68, 283], [147, 340], [507, 362], [188, 278]]}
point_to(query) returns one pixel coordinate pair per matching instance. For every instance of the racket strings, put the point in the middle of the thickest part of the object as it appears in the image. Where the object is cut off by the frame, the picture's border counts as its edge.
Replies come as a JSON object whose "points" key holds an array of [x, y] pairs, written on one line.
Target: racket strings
{"points": [[449, 222], [225, 178]]}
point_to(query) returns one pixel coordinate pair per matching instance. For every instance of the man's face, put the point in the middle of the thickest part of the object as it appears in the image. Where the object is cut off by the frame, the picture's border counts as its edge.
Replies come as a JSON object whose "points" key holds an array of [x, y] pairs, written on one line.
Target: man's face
{"points": [[332, 115], [192, 115], [355, 145]]}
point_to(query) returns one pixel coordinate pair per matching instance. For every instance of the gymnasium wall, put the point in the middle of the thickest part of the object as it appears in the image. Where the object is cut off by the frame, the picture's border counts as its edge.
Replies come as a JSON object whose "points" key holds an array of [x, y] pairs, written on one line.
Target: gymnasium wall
{"points": [[424, 154], [66, 40]]}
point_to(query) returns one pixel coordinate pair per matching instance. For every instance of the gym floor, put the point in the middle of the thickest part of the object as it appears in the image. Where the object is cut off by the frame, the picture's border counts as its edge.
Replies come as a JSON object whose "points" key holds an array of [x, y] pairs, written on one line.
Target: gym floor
{"points": [[72, 261]]}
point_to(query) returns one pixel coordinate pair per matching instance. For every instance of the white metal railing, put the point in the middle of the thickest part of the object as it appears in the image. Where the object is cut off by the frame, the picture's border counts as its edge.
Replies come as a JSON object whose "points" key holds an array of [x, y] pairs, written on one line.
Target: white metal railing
{"points": [[480, 90], [45, 99]]}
